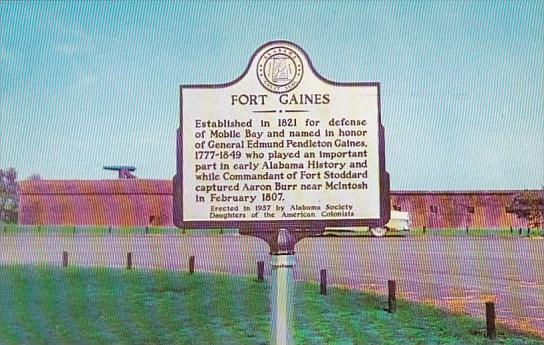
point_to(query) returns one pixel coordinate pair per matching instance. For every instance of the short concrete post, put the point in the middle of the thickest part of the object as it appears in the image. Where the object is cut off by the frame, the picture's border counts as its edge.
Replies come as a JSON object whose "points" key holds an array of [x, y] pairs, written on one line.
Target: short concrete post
{"points": [[260, 271], [424, 229], [64, 259], [129, 260], [490, 319], [191, 264], [392, 299], [323, 282]]}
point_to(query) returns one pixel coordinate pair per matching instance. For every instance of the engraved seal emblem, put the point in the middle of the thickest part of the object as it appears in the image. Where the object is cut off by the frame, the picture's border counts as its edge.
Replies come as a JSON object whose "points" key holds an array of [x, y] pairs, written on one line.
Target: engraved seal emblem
{"points": [[280, 69]]}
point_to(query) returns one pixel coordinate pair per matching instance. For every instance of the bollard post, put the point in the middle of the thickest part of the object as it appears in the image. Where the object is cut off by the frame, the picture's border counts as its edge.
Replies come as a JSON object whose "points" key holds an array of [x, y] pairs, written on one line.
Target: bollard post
{"points": [[519, 232], [511, 230], [146, 230], [528, 231], [323, 282], [424, 229], [129, 260], [392, 299], [64, 259], [109, 230], [74, 230], [191, 264], [490, 319], [260, 271], [466, 230]]}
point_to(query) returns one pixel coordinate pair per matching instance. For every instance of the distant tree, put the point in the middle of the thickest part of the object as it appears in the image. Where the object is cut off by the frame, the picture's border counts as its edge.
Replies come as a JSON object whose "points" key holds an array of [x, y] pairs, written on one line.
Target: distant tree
{"points": [[529, 205], [9, 196]]}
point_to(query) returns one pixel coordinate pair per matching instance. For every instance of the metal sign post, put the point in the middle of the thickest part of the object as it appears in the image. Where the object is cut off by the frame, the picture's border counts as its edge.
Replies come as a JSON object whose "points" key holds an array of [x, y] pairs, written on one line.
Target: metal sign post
{"points": [[282, 260], [281, 299], [282, 293]]}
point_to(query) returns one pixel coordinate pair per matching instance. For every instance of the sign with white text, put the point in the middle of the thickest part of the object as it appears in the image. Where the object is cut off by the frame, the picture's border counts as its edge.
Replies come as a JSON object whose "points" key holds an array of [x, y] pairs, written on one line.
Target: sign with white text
{"points": [[280, 147]]}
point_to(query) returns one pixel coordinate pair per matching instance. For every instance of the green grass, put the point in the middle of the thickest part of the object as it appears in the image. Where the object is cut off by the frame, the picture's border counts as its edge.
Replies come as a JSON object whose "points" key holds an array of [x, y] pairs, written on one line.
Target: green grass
{"points": [[503, 233], [69, 230], [52, 305], [14, 229]]}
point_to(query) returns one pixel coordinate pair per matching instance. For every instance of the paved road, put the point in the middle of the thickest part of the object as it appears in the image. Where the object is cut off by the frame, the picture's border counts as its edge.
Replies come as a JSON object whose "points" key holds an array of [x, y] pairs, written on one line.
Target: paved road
{"points": [[456, 273]]}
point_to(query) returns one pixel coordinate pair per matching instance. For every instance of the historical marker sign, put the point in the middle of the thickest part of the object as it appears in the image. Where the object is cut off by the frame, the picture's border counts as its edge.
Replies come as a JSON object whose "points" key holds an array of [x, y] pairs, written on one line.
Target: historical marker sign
{"points": [[280, 147]]}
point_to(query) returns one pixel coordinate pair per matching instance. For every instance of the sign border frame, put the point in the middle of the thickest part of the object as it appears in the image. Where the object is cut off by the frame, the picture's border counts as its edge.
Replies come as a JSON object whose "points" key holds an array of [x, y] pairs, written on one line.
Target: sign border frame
{"points": [[273, 225]]}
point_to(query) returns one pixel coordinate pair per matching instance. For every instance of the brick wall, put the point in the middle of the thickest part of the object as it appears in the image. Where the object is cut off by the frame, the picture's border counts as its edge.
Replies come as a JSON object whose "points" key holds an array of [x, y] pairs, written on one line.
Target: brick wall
{"points": [[141, 202]]}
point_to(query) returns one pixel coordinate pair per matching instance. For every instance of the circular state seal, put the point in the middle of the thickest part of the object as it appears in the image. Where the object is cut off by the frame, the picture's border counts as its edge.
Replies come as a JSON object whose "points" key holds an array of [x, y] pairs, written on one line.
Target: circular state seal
{"points": [[280, 69]]}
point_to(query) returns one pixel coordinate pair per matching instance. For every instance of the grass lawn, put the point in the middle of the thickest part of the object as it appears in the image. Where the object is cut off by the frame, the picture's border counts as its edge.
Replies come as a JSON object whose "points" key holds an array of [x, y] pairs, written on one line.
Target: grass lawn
{"points": [[503, 233], [14, 229], [67, 230], [52, 305]]}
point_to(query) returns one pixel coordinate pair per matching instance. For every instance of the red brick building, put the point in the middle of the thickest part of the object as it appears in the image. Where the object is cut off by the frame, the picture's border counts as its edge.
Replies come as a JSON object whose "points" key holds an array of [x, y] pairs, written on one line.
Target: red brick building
{"points": [[458, 209], [122, 202], [141, 202]]}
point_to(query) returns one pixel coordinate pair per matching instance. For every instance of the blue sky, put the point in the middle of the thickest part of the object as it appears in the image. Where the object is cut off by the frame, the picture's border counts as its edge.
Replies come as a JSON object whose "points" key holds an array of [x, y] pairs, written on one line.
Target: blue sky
{"points": [[86, 84]]}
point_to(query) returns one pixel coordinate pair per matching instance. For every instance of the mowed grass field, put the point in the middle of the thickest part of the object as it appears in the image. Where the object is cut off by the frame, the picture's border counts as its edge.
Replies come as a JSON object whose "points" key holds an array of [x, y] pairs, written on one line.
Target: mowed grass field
{"points": [[12, 229], [54, 305]]}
